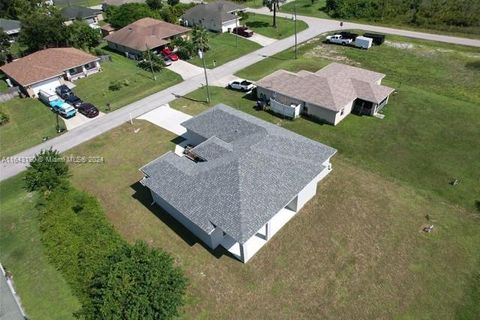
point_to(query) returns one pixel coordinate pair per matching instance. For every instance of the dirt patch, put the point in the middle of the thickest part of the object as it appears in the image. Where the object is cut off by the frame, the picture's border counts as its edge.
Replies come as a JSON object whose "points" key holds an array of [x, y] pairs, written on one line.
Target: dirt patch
{"points": [[329, 52], [400, 45]]}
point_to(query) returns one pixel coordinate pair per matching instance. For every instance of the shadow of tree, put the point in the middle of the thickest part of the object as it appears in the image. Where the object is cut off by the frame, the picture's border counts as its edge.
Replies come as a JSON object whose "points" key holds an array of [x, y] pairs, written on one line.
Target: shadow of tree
{"points": [[474, 65], [257, 24]]}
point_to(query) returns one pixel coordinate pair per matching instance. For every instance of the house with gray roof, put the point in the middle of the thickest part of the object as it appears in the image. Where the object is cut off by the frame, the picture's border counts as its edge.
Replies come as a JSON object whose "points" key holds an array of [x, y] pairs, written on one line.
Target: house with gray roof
{"points": [[329, 95], [10, 27], [240, 180], [218, 16], [88, 15]]}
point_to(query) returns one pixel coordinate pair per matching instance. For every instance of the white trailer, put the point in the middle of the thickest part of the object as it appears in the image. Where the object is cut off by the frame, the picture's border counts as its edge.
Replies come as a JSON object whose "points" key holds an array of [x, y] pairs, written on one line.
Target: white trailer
{"points": [[363, 42]]}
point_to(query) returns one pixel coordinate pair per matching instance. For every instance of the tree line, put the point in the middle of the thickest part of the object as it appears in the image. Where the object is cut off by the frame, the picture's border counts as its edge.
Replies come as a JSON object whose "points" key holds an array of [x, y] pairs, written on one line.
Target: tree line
{"points": [[112, 278], [427, 13]]}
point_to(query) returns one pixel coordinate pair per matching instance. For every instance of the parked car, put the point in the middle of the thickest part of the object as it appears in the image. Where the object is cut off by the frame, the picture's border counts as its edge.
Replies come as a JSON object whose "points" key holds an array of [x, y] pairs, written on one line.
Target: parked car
{"points": [[243, 31], [63, 91], [63, 108], [378, 38], [168, 53], [73, 100], [242, 85], [337, 38], [88, 110]]}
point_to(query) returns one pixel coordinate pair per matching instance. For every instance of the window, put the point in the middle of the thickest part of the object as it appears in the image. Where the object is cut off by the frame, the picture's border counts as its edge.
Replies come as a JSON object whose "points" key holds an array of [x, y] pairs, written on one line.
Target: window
{"points": [[342, 111]]}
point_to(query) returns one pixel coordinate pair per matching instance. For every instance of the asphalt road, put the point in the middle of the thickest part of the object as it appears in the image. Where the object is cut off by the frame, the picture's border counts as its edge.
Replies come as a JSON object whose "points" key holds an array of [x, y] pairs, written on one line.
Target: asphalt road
{"points": [[13, 165]]}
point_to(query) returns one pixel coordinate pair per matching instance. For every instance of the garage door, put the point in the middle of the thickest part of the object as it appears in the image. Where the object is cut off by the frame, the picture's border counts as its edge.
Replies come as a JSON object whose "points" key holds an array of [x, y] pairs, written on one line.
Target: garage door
{"points": [[47, 85]]}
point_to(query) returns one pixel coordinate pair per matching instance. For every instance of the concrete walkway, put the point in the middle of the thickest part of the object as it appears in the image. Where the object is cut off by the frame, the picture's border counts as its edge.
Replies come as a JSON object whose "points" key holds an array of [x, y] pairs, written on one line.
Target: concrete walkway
{"points": [[261, 40], [167, 118], [185, 69], [11, 166], [79, 120]]}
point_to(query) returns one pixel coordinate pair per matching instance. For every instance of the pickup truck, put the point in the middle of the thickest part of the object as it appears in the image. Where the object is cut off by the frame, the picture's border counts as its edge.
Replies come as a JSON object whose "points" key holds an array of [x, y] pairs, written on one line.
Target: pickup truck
{"points": [[242, 85], [337, 38]]}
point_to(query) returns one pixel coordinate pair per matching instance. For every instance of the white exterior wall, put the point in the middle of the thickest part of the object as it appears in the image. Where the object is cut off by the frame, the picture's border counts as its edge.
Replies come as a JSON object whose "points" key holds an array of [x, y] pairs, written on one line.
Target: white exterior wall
{"points": [[346, 111], [47, 85], [228, 26]]}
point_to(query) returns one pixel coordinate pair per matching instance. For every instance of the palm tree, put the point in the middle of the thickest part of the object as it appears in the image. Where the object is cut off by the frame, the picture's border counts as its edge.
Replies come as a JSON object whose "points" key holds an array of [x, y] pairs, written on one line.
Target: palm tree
{"points": [[274, 6], [200, 38]]}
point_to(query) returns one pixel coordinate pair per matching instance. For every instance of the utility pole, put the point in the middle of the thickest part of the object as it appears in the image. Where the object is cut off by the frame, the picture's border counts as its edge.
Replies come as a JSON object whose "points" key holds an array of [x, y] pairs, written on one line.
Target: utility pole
{"points": [[236, 33], [151, 64], [58, 124], [295, 25], [202, 56]]}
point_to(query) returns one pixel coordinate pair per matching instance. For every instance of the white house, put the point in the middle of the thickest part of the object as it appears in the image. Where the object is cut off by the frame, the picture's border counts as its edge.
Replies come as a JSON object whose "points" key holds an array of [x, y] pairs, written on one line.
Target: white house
{"points": [[330, 94], [219, 16], [47, 69], [240, 183]]}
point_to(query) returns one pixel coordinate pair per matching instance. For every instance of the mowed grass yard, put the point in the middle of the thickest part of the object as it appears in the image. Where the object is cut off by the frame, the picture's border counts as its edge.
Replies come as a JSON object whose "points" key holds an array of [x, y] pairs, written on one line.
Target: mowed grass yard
{"points": [[43, 291], [95, 88], [430, 134], [262, 24], [356, 251], [30, 121], [224, 48]]}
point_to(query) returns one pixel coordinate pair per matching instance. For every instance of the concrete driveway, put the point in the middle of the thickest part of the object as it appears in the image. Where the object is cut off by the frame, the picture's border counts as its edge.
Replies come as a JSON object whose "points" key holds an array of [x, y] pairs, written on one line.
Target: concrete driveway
{"points": [[261, 40], [167, 118], [79, 120], [184, 69]]}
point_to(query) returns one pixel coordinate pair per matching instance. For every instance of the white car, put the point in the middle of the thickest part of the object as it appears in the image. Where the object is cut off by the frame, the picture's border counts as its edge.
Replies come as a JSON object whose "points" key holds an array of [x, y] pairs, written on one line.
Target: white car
{"points": [[242, 85], [337, 38]]}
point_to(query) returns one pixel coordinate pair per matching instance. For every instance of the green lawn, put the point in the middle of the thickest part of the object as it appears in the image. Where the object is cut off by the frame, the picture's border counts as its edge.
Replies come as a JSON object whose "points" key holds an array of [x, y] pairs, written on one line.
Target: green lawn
{"points": [[81, 3], [224, 48], [361, 250], [430, 132], [262, 24], [3, 84], [95, 88], [30, 121], [317, 9], [43, 291]]}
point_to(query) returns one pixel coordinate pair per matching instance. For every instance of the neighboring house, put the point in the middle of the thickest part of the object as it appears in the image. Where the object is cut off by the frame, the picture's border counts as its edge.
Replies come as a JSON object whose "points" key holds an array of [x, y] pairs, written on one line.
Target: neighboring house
{"points": [[219, 16], [88, 15], [329, 94], [10, 27], [49, 68], [243, 180], [142, 35]]}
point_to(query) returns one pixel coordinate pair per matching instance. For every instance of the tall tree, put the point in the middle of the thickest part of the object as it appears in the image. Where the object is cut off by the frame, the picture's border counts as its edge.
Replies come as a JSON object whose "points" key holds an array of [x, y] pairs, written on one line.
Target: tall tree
{"points": [[42, 29], [47, 170], [81, 35], [200, 38], [125, 14], [136, 282], [4, 46], [155, 4], [274, 6]]}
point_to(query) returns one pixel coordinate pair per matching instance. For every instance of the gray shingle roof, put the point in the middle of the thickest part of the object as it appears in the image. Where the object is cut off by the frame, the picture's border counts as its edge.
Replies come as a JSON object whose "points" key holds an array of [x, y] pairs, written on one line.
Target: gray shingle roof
{"points": [[220, 11], [252, 170], [9, 25], [75, 12]]}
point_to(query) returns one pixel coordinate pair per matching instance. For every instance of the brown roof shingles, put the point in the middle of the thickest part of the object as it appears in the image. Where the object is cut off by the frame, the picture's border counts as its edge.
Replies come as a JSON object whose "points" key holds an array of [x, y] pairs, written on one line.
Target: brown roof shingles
{"points": [[146, 32], [332, 87], [45, 64]]}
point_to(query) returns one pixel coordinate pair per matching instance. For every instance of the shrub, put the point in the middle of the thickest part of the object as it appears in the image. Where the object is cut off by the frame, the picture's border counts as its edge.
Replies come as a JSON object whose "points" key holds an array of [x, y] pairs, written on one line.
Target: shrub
{"points": [[4, 118], [136, 282], [115, 85], [47, 170]]}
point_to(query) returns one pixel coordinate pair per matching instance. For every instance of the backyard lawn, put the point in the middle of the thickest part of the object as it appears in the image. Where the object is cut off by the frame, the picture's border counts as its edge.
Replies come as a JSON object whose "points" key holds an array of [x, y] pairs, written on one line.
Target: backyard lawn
{"points": [[262, 24], [44, 293], [224, 48], [358, 245], [3, 83], [136, 83], [430, 133], [30, 121]]}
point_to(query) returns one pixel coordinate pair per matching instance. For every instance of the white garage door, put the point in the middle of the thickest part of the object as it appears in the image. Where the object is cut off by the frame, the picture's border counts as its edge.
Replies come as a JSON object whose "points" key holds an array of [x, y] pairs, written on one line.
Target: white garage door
{"points": [[47, 85]]}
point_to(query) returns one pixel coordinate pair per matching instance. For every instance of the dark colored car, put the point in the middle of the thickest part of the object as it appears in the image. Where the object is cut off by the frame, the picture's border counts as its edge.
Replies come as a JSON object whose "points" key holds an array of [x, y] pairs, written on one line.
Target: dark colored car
{"points": [[73, 100], [243, 31], [63, 91], [348, 35], [378, 38], [88, 110]]}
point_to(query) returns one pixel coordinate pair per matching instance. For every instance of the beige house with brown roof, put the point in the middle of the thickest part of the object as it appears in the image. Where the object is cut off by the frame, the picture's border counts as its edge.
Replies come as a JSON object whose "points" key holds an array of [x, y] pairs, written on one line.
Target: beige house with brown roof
{"points": [[329, 94], [142, 35], [47, 69]]}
